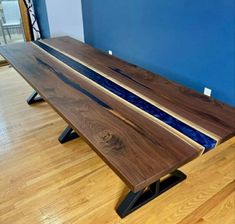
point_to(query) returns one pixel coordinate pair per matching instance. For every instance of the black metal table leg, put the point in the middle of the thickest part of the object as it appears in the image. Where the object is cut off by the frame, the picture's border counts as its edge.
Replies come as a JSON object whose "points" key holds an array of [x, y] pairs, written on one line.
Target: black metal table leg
{"points": [[34, 98], [134, 200], [67, 135]]}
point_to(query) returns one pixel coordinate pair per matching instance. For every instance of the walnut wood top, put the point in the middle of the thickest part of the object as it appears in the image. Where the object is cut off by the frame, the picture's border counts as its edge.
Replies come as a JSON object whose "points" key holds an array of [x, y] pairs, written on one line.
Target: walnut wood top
{"points": [[205, 112], [138, 147]]}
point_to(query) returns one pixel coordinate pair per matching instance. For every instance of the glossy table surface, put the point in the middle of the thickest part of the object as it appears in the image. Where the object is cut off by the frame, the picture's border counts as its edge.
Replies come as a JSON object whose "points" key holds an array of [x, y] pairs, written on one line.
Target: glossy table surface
{"points": [[141, 124]]}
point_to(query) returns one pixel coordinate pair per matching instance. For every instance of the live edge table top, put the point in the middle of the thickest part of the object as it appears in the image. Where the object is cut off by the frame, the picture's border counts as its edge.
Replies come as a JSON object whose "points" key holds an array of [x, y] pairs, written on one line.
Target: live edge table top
{"points": [[141, 124]]}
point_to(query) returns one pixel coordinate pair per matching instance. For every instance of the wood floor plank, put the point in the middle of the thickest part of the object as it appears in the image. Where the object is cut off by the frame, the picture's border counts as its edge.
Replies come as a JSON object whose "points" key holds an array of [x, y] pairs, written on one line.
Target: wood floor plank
{"points": [[223, 212], [201, 211]]}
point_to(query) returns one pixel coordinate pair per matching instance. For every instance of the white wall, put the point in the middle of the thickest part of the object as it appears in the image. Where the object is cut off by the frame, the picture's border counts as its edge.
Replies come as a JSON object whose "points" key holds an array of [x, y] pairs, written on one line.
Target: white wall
{"points": [[65, 18]]}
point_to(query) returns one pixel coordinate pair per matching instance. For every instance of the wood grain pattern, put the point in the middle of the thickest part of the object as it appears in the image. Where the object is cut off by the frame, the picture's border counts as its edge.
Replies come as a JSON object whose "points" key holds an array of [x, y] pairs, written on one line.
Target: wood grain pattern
{"points": [[42, 181], [210, 116], [132, 100], [135, 154], [137, 149]]}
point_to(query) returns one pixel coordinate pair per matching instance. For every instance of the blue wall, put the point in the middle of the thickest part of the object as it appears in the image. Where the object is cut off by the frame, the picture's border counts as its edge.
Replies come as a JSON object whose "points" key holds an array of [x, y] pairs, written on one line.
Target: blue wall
{"points": [[42, 18], [191, 42]]}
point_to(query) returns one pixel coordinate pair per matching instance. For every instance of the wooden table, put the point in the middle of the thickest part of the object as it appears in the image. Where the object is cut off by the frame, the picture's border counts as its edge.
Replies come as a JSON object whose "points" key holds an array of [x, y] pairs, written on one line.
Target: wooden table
{"points": [[142, 125]]}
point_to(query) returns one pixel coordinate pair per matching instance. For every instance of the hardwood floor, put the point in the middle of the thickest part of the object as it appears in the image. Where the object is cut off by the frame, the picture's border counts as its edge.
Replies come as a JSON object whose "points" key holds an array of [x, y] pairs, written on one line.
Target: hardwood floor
{"points": [[42, 181]]}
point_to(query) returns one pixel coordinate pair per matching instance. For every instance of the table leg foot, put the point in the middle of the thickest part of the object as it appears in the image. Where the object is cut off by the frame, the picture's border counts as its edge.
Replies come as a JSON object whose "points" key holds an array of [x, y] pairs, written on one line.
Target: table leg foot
{"points": [[67, 135], [34, 98], [135, 200]]}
